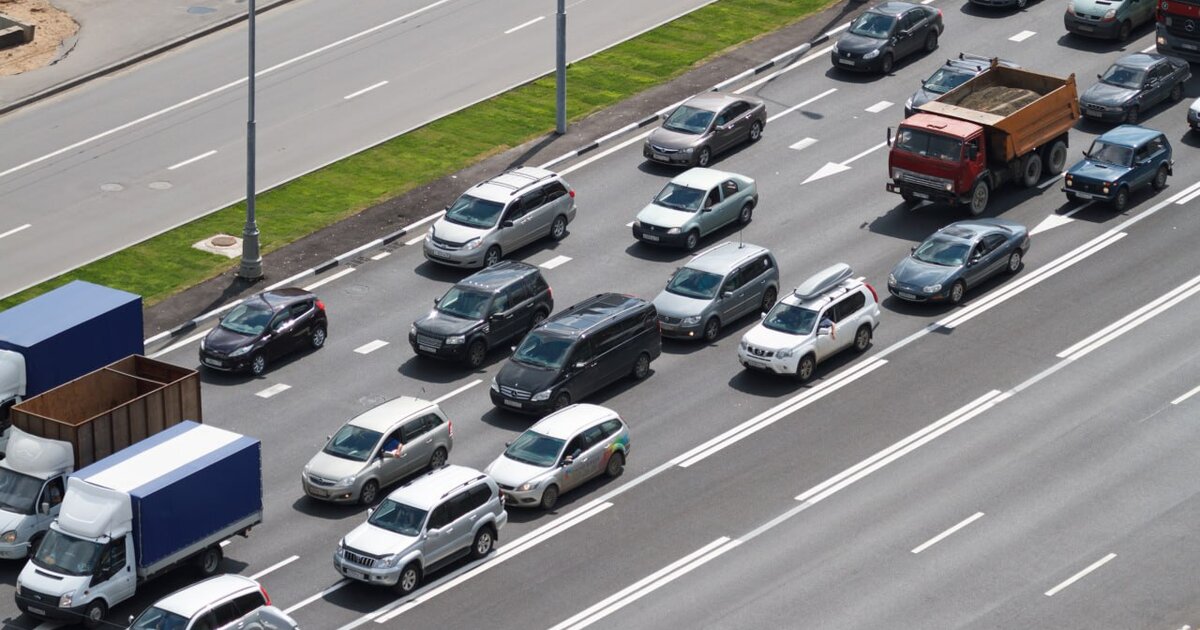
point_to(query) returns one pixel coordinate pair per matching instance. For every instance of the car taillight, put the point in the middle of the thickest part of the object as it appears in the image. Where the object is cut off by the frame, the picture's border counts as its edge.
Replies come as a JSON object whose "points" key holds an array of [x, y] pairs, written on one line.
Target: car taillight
{"points": [[873, 293], [571, 191], [265, 596], [320, 305], [450, 428]]}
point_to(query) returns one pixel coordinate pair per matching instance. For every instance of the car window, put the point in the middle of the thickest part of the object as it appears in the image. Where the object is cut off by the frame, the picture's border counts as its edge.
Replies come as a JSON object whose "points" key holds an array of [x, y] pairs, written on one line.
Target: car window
{"points": [[537, 284], [554, 190], [225, 613], [606, 339], [732, 283], [440, 517], [849, 306], [456, 507], [729, 188], [206, 621], [499, 304], [249, 602], [1157, 145], [978, 250], [515, 211], [725, 116], [575, 446], [432, 421], [113, 559], [874, 25], [756, 268], [300, 309], [583, 351], [714, 197], [1163, 71], [517, 293], [53, 494], [533, 200], [472, 499], [993, 241], [280, 319], [611, 427], [412, 430], [593, 436], [1144, 152]]}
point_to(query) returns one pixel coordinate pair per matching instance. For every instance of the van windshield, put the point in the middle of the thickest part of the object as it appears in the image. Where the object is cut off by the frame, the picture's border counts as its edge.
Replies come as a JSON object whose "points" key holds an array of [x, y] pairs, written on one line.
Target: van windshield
{"points": [[474, 212], [249, 318], [155, 618], [541, 350], [793, 320], [67, 554], [535, 449], [933, 145], [354, 443], [396, 517], [694, 284], [18, 492]]}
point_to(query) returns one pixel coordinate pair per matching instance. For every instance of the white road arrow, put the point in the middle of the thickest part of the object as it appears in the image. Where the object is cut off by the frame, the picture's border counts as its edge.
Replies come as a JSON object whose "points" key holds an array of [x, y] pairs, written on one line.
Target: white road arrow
{"points": [[833, 168], [1056, 220]]}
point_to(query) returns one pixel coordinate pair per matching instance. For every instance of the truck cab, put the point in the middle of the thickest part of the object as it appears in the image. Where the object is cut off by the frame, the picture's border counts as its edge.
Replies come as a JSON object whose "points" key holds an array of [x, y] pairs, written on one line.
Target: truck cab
{"points": [[32, 485], [75, 578], [936, 159]]}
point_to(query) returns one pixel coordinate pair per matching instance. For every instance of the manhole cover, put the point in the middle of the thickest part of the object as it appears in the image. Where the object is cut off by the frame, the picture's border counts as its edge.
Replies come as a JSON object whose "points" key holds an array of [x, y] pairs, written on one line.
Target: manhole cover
{"points": [[223, 241], [357, 289], [160, 185], [111, 187], [372, 401]]}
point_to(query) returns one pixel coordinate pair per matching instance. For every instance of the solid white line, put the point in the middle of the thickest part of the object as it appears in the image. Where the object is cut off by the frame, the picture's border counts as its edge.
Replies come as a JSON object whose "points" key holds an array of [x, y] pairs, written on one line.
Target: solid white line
{"points": [[1185, 193], [179, 344], [630, 224], [795, 107], [382, 255], [312, 598], [364, 90], [1186, 396], [603, 154], [190, 160], [1022, 36], [1133, 320], [15, 230], [867, 152], [936, 539], [368, 348], [457, 391], [521, 26], [1050, 182], [1074, 578], [324, 281], [812, 54], [225, 543], [1188, 197], [1124, 321], [1149, 48], [646, 585], [415, 240], [555, 262], [273, 390], [803, 144], [277, 565], [878, 107], [926, 1]]}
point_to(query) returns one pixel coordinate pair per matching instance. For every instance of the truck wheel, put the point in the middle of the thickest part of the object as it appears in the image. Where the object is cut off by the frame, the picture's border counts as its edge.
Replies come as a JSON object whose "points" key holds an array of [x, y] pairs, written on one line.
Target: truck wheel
{"points": [[1031, 170], [979, 198], [209, 561], [1056, 157], [1121, 201], [1160, 178], [94, 614]]}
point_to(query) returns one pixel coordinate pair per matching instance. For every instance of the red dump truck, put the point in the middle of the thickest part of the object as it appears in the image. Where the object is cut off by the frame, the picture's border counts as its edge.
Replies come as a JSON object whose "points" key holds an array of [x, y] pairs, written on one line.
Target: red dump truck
{"points": [[1006, 124]]}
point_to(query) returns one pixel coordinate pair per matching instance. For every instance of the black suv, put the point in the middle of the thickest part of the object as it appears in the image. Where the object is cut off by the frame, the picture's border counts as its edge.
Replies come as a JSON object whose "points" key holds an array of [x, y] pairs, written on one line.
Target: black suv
{"points": [[578, 351], [482, 311]]}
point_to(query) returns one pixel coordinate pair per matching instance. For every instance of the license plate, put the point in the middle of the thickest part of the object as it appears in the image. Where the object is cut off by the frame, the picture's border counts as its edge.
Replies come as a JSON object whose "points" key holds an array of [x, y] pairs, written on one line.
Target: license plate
{"points": [[1085, 28], [36, 611], [1091, 113], [354, 574], [920, 195], [754, 362], [1189, 47], [1082, 195], [429, 349], [847, 62], [661, 158], [651, 237], [907, 296], [214, 362], [437, 254], [317, 493], [513, 403]]}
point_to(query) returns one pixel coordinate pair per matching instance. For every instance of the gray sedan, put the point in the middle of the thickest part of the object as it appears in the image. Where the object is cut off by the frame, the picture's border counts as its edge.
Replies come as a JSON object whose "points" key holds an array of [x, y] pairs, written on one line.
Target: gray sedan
{"points": [[694, 204], [1134, 84], [957, 257], [704, 126]]}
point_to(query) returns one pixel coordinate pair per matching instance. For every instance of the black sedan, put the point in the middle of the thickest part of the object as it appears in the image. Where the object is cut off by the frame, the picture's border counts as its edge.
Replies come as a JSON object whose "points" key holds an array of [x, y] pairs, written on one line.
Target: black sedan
{"points": [[263, 328], [957, 257], [885, 34], [1134, 84]]}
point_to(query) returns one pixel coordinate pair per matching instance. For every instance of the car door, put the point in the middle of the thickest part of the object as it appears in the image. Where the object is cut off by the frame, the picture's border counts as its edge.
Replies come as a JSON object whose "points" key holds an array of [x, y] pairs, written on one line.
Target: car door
{"points": [[440, 536], [513, 228], [302, 316], [754, 283], [51, 496], [723, 134], [538, 214], [574, 467], [114, 580], [500, 319], [521, 307], [905, 34], [558, 202], [709, 217], [462, 517], [849, 315], [281, 341], [1143, 166], [391, 465], [996, 259], [585, 377], [732, 198], [609, 358], [737, 124], [827, 343], [417, 445], [976, 269]]}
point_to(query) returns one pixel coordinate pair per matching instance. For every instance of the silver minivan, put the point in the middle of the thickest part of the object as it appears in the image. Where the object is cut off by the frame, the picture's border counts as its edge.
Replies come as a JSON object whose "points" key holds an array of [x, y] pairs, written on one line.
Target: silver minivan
{"points": [[499, 216], [717, 287], [378, 448]]}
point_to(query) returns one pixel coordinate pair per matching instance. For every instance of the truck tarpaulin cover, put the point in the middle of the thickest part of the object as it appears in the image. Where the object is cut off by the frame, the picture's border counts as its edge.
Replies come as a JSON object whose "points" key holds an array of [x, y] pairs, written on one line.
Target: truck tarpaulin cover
{"points": [[186, 484]]}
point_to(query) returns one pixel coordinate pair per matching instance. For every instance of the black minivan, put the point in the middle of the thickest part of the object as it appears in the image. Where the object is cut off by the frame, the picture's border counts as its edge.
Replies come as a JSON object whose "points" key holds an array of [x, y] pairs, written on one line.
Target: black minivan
{"points": [[483, 311], [579, 351]]}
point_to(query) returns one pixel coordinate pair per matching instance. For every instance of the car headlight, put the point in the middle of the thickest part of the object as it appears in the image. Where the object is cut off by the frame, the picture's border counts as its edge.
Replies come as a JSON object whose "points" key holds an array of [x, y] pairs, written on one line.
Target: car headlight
{"points": [[907, 105], [429, 235], [871, 55], [891, 279], [673, 231], [690, 321], [689, 151], [412, 330], [1070, 180], [202, 342], [388, 562], [240, 351], [785, 353], [542, 395], [637, 224], [456, 340], [1106, 185], [341, 548], [949, 186], [495, 385], [895, 173], [65, 601], [9, 536], [18, 589], [1110, 15], [1070, 7], [933, 288], [526, 487], [743, 344], [347, 481], [473, 243]]}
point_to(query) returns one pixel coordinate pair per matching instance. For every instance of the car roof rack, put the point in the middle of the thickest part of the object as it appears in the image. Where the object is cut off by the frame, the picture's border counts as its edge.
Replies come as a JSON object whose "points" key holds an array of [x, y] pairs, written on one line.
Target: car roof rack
{"points": [[823, 281], [516, 173]]}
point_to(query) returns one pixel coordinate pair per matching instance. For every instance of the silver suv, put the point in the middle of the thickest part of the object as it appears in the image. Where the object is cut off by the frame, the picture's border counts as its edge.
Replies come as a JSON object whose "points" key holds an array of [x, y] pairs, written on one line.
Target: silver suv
{"points": [[500, 215], [218, 602], [423, 525], [828, 313], [378, 448], [715, 288]]}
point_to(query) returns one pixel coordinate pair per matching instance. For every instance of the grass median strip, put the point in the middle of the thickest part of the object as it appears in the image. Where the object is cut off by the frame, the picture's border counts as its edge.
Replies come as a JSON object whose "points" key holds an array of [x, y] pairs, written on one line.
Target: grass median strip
{"points": [[166, 264]]}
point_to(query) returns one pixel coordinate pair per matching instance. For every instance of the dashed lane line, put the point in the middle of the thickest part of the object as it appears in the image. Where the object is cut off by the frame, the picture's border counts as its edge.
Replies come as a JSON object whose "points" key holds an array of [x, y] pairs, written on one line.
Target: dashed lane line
{"points": [[368, 348], [273, 390]]}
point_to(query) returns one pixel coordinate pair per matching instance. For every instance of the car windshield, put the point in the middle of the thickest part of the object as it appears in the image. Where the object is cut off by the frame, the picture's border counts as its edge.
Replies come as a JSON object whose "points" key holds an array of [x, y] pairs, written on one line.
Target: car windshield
{"points": [[67, 554], [156, 618], [474, 212], [875, 25], [687, 119], [933, 145], [534, 449], [1102, 151], [18, 492], [351, 442], [940, 251], [694, 284], [398, 517], [1124, 76], [945, 79], [678, 197], [464, 303], [248, 318], [790, 319], [542, 350]]}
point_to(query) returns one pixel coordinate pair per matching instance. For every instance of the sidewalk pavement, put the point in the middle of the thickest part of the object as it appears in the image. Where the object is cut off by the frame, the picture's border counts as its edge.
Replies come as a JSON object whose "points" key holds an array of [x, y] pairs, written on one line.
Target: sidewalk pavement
{"points": [[114, 34]]}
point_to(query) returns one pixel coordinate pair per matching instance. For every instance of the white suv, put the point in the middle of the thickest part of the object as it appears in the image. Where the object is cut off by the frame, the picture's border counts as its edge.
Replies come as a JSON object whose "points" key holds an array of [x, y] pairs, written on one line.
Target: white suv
{"points": [[829, 312]]}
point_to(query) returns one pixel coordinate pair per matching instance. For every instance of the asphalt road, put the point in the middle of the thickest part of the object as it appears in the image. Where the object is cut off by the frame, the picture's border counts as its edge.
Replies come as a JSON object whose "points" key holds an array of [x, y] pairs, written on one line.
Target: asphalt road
{"points": [[1035, 445], [116, 161]]}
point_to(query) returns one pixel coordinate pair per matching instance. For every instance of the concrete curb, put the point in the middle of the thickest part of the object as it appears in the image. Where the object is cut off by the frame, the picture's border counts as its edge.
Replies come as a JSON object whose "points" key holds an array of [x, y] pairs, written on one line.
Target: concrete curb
{"points": [[129, 61]]}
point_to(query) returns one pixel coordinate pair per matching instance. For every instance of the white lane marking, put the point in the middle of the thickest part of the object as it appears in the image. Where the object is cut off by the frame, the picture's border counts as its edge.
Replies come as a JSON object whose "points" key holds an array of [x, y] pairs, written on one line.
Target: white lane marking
{"points": [[521, 26], [179, 344], [604, 154], [460, 390], [522, 544], [1132, 320], [434, 216], [798, 106], [899, 449], [812, 54], [368, 348], [273, 390], [936, 539], [833, 168], [225, 543], [1022, 36], [312, 598], [880, 106], [1074, 578], [775, 414], [1188, 197], [555, 262], [1186, 396], [647, 585], [630, 224], [1150, 48], [1054, 220], [864, 153], [190, 160], [1050, 182], [381, 255], [926, 1], [16, 229], [803, 144], [325, 281], [364, 90], [277, 565], [415, 240], [219, 89]]}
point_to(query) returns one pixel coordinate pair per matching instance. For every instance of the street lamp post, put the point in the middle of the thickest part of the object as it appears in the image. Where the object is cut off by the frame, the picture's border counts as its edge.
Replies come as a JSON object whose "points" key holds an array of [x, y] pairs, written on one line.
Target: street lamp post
{"points": [[560, 74], [251, 267]]}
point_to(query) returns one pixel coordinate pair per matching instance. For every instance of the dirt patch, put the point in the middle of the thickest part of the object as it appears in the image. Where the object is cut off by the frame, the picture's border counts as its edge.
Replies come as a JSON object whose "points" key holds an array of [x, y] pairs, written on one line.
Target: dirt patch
{"points": [[53, 26]]}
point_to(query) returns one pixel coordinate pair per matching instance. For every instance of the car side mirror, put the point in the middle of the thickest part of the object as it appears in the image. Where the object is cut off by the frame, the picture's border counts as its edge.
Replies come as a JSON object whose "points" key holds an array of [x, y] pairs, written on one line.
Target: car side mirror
{"points": [[506, 224], [44, 508], [889, 136], [579, 365], [726, 294], [446, 208], [665, 115], [762, 315], [370, 511], [824, 330], [972, 260], [1099, 77], [508, 444], [437, 300], [131, 620], [568, 460]]}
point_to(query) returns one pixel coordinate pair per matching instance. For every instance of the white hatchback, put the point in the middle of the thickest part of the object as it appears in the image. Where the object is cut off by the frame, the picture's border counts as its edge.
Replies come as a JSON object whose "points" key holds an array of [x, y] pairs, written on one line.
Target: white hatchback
{"points": [[216, 603]]}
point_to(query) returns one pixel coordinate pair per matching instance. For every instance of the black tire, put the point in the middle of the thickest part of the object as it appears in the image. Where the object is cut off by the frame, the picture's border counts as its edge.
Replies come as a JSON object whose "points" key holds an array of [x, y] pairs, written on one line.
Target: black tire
{"points": [[957, 292], [410, 579], [438, 459], [806, 367], [862, 338], [476, 353], [369, 491], [886, 65], [563, 399], [756, 129], [1123, 32], [558, 229], [1014, 262], [980, 193], [93, 615], [1160, 178], [746, 214], [1121, 201], [1031, 170], [1132, 115], [539, 316], [931, 41], [712, 328], [209, 560], [1056, 158], [641, 367], [1021, 4], [692, 241], [769, 297], [1177, 93], [485, 538], [258, 364], [492, 256], [704, 157], [318, 337], [549, 497], [616, 465]]}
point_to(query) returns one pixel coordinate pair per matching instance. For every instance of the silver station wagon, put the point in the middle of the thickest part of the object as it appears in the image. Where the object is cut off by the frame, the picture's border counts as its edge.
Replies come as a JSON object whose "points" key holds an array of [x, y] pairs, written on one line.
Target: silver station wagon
{"points": [[717, 287], [694, 204]]}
